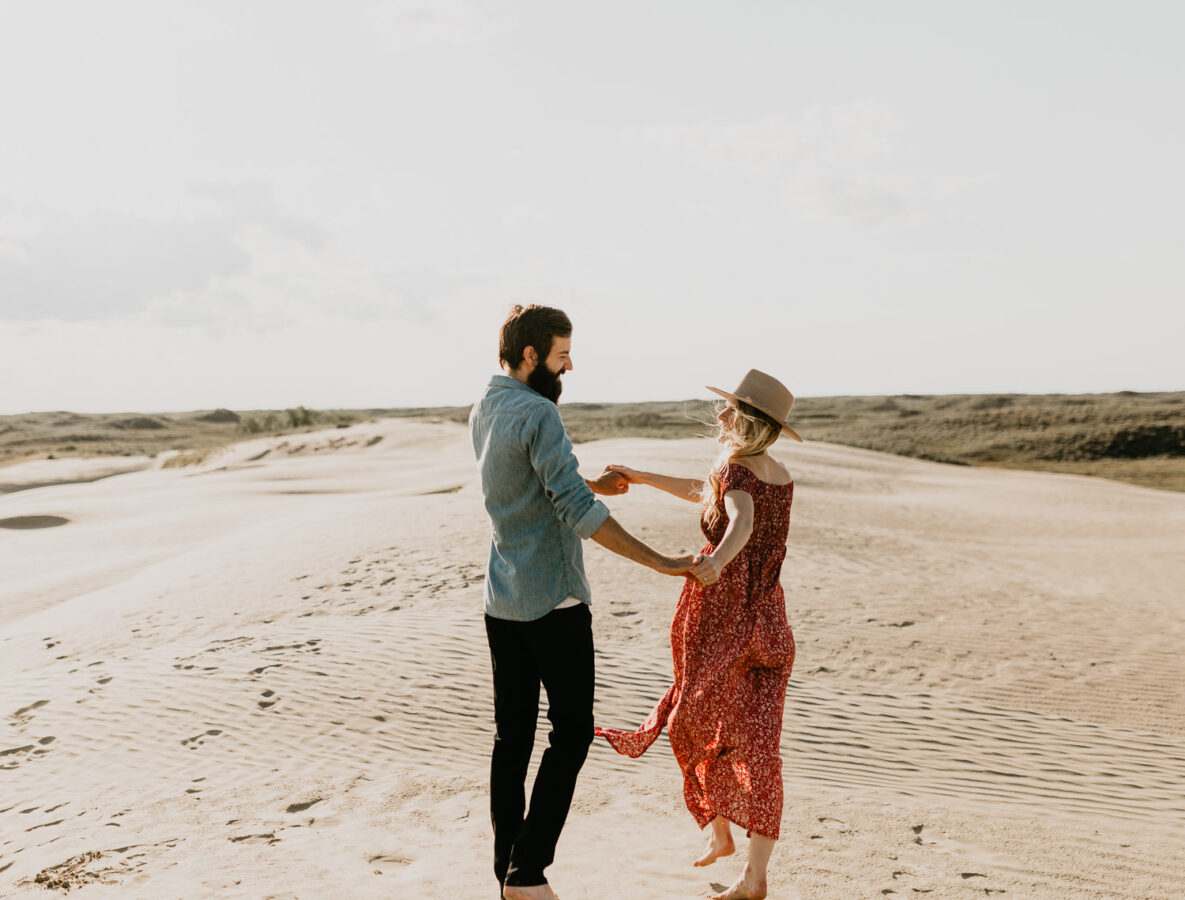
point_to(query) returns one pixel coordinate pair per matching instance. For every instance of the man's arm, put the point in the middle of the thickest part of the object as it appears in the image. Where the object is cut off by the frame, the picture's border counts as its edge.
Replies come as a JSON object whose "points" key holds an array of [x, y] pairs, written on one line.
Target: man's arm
{"points": [[551, 456], [613, 537]]}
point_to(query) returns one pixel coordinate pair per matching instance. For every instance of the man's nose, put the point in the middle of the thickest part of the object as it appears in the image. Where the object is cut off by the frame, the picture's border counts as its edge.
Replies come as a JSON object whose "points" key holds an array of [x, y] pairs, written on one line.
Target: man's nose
{"points": [[568, 364]]}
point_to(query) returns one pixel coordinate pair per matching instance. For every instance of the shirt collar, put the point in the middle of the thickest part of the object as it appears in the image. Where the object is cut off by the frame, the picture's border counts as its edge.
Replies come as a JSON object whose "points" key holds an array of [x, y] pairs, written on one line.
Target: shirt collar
{"points": [[508, 381]]}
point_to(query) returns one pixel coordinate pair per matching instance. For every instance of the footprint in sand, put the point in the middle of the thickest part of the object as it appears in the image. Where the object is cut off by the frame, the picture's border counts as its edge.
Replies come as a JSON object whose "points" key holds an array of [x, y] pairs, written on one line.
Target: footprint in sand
{"points": [[267, 838], [196, 790], [391, 859], [309, 645], [22, 717], [198, 739], [901, 878], [14, 756], [944, 844], [301, 807], [94, 866]]}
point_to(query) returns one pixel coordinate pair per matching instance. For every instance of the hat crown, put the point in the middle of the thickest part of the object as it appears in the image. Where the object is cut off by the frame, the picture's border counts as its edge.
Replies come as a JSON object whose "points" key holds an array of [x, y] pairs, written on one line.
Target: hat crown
{"points": [[766, 393]]}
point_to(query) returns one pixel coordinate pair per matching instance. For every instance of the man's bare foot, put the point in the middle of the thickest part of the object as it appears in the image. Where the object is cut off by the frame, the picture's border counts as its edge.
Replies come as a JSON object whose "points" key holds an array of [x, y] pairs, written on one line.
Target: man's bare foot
{"points": [[747, 887], [718, 846], [534, 892]]}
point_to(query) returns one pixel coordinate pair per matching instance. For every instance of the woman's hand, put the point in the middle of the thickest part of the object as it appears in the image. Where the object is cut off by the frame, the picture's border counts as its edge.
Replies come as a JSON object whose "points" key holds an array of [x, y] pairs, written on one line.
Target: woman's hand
{"points": [[633, 476], [705, 570]]}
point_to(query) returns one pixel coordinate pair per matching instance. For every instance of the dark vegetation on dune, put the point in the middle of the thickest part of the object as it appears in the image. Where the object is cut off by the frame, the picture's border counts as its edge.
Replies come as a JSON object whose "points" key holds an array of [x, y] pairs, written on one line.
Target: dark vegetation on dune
{"points": [[1135, 437]]}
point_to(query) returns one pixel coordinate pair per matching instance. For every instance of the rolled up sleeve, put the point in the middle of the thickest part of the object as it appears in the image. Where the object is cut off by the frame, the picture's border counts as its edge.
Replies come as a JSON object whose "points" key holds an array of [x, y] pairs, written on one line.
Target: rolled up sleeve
{"points": [[551, 455]]}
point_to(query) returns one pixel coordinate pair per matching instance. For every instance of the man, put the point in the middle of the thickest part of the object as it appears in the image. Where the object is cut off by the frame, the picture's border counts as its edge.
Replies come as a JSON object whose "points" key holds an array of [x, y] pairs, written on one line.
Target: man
{"points": [[536, 594]]}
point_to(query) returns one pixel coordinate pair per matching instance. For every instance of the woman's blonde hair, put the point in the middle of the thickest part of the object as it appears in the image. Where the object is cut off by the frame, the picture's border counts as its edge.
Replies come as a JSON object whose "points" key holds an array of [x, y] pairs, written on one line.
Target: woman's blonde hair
{"points": [[751, 432]]}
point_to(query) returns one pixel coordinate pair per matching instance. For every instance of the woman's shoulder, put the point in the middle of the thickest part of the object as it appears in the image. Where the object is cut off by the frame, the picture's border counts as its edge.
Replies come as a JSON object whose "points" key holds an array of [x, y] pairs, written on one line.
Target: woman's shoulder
{"points": [[774, 474]]}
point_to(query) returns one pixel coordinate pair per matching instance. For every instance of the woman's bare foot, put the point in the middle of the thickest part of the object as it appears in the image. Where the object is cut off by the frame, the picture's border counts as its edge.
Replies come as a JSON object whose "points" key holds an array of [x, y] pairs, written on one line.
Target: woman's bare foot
{"points": [[747, 887], [719, 844], [534, 892]]}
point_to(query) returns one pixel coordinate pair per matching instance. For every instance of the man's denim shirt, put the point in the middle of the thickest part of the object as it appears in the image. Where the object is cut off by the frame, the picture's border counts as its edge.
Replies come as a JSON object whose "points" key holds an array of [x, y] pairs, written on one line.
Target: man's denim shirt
{"points": [[540, 507]]}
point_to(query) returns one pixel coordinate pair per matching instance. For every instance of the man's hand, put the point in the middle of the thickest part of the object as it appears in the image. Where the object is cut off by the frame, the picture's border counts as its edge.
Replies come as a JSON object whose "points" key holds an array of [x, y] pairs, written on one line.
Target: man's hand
{"points": [[675, 565], [608, 483], [705, 570]]}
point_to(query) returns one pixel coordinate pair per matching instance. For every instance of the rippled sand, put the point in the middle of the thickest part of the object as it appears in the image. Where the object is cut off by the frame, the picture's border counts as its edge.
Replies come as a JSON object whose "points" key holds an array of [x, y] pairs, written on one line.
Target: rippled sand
{"points": [[268, 677]]}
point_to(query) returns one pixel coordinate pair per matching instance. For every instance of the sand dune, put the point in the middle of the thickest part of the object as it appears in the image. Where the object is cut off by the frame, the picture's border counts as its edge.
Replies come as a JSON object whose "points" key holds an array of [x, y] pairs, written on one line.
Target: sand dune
{"points": [[40, 473], [267, 676]]}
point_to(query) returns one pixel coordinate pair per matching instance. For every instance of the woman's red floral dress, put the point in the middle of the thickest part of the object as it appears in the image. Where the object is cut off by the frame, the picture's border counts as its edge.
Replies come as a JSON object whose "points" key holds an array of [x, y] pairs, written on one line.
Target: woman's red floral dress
{"points": [[733, 651]]}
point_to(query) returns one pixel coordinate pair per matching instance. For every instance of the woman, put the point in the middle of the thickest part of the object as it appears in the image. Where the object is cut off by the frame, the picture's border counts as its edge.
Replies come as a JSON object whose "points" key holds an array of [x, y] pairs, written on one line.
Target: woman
{"points": [[732, 646]]}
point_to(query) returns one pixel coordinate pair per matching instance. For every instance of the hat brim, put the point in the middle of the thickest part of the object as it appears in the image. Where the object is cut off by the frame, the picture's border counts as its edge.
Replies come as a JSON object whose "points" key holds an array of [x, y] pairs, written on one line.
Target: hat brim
{"points": [[786, 429]]}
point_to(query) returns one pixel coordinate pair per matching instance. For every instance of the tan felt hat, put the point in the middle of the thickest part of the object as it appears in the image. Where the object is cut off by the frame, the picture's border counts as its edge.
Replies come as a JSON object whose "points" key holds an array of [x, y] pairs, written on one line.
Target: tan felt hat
{"points": [[766, 393]]}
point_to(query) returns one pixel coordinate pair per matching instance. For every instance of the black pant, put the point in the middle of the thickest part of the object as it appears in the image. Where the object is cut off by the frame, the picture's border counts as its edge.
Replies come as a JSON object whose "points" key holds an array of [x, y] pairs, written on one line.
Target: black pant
{"points": [[557, 652]]}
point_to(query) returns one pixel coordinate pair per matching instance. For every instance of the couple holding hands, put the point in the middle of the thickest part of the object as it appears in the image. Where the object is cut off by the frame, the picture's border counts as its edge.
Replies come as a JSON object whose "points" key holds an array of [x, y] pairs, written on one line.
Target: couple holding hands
{"points": [[730, 641]]}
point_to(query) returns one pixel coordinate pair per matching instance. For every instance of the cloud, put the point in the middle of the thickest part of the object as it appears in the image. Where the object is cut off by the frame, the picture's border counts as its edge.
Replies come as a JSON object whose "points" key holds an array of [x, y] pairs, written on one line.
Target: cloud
{"points": [[255, 203], [111, 263], [237, 262], [289, 286], [829, 161], [525, 214], [423, 295], [867, 197], [418, 23]]}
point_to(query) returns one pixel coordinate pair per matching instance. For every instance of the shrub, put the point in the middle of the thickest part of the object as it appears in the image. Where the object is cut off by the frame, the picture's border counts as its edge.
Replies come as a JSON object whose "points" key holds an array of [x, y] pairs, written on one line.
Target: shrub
{"points": [[300, 417]]}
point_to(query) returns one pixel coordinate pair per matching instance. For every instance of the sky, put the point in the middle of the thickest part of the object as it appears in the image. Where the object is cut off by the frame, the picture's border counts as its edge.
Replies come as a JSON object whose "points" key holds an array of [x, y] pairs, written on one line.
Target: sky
{"points": [[259, 205]]}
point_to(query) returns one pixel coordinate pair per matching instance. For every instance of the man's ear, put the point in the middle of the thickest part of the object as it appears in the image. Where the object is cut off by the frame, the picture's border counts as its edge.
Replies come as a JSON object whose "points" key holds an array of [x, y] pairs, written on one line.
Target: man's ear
{"points": [[530, 356]]}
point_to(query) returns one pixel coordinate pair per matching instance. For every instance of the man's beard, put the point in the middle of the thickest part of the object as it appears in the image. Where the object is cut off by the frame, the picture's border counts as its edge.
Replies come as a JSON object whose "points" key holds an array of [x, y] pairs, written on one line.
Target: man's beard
{"points": [[546, 382]]}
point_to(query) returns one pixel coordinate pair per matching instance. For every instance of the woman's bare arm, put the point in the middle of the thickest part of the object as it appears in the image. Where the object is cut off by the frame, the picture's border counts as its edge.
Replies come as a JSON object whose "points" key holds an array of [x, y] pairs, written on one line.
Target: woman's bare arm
{"points": [[683, 488], [739, 506]]}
